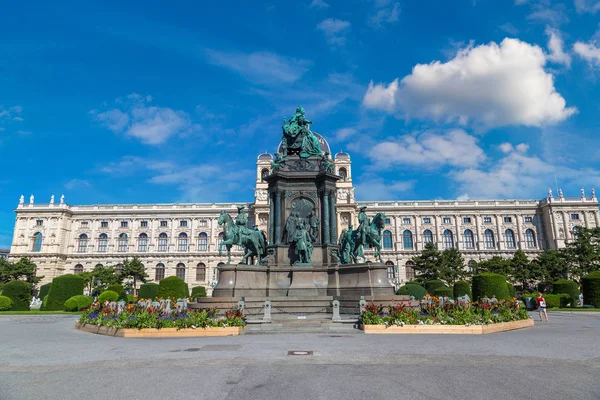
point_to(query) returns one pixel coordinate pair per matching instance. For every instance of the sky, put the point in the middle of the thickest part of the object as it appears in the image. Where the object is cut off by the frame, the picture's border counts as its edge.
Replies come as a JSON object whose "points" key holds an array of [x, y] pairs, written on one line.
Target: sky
{"points": [[158, 102]]}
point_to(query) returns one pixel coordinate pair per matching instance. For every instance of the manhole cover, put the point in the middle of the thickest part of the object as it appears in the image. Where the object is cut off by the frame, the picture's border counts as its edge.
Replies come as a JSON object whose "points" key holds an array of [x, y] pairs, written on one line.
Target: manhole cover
{"points": [[300, 353]]}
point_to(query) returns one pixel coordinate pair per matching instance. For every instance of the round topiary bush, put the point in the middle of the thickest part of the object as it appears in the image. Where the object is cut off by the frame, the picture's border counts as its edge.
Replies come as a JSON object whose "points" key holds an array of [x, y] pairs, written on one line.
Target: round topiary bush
{"points": [[20, 294], [490, 285], [5, 303], [591, 289], [443, 292], [411, 289], [148, 291], [172, 287], [130, 298], [78, 303], [63, 288], [433, 284], [108, 295], [461, 288], [565, 286], [198, 291]]}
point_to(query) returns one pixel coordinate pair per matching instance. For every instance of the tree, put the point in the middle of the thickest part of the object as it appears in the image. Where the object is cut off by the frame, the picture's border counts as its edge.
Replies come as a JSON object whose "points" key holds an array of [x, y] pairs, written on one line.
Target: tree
{"points": [[583, 253], [496, 265], [452, 266], [23, 270], [88, 279], [525, 271], [553, 264], [134, 269], [427, 264], [103, 276]]}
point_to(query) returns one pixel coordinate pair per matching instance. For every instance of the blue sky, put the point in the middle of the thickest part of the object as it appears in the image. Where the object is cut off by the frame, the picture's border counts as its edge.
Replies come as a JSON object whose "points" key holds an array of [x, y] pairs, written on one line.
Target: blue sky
{"points": [[143, 102]]}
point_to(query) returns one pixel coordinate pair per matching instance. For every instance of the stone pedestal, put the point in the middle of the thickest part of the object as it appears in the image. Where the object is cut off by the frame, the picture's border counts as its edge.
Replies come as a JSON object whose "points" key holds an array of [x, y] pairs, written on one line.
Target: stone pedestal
{"points": [[308, 281], [241, 281]]}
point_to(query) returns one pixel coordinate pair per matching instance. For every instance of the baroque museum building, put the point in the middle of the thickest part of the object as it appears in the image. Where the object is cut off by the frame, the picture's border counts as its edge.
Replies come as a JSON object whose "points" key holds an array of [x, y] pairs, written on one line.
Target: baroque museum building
{"points": [[183, 239]]}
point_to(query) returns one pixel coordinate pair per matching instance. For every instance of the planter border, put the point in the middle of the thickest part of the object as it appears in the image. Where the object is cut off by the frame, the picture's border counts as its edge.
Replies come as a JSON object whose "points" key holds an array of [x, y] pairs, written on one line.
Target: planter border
{"points": [[448, 329], [160, 333]]}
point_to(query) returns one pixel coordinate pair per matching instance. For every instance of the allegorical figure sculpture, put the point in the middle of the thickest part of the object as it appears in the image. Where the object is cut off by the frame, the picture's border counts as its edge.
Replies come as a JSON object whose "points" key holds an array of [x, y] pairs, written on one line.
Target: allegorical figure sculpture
{"points": [[290, 227], [313, 222], [253, 241], [298, 137], [302, 244]]}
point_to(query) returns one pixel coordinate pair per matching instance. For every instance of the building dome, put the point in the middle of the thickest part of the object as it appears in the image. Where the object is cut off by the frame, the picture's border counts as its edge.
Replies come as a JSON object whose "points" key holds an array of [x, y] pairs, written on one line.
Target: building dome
{"points": [[265, 157], [322, 144], [342, 156]]}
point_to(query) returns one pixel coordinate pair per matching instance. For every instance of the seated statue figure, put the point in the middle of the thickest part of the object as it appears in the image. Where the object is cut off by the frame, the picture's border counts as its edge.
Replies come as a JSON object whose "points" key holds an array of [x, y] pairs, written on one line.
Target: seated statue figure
{"points": [[298, 137]]}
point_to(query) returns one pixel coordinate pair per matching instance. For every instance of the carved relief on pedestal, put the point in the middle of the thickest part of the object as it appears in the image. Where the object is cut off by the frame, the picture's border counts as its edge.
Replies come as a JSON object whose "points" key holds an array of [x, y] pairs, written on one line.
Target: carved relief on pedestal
{"points": [[261, 194]]}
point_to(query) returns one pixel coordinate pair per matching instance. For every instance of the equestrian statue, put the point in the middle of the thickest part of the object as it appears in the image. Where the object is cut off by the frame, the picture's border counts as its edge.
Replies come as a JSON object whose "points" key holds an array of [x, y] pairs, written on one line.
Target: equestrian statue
{"points": [[254, 242], [368, 233]]}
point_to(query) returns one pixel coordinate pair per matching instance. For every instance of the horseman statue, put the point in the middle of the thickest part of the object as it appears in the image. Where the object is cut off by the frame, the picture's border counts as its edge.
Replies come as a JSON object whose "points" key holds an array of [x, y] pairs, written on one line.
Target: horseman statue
{"points": [[368, 233], [254, 242], [298, 138]]}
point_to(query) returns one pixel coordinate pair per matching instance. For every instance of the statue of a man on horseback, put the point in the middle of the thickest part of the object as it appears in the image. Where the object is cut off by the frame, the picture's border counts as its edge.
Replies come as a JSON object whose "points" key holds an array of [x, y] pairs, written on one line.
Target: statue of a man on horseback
{"points": [[253, 242], [368, 233]]}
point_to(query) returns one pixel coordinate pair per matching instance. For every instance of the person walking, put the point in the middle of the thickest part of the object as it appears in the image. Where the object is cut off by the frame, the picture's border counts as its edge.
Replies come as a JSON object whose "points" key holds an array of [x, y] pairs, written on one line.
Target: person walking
{"points": [[541, 304]]}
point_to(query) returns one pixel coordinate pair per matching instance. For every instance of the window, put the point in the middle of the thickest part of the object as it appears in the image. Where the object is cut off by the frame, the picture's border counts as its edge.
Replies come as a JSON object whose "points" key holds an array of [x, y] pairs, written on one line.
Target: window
{"points": [[487, 220], [508, 220], [509, 239], [427, 236], [488, 239], [446, 220], [426, 220], [180, 271], [387, 240], [409, 270], [467, 220], [143, 224], [160, 272], [203, 223], [391, 271], [203, 242], [343, 173], [201, 272], [163, 242], [388, 221], [118, 269], [264, 174], [82, 243], [407, 240], [104, 224], [143, 243], [530, 239], [183, 224], [216, 271], [182, 242], [470, 265], [448, 239], [468, 241], [122, 242], [124, 224], [102, 243], [84, 224], [39, 222], [37, 242], [575, 217], [163, 224], [406, 220], [78, 269], [528, 219], [220, 240]]}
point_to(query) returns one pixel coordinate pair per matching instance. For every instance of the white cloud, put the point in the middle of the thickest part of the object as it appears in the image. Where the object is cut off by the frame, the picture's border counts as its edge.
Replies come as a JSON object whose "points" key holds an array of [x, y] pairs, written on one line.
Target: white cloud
{"points": [[555, 45], [522, 147], [369, 187], [115, 120], [429, 150], [589, 52], [77, 183], [345, 133], [506, 147], [386, 12], [490, 85], [261, 67], [11, 113], [509, 28], [335, 30], [550, 14], [587, 6], [318, 4]]}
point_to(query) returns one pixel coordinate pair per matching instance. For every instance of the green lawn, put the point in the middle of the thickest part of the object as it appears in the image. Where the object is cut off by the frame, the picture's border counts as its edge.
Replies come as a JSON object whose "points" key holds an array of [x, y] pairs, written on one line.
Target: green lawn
{"points": [[37, 312]]}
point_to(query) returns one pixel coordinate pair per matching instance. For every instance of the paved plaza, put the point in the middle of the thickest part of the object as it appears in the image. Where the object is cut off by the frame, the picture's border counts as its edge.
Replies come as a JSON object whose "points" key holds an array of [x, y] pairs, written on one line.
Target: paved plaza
{"points": [[45, 358]]}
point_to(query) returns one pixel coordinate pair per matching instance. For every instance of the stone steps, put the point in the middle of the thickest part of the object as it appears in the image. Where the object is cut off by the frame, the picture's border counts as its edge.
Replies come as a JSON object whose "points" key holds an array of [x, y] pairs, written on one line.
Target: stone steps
{"points": [[289, 325]]}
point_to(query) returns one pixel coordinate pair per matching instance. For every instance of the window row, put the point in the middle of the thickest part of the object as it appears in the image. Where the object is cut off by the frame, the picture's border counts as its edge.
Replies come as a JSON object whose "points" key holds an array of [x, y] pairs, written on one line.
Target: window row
{"points": [[469, 220], [143, 242], [183, 223], [180, 271]]}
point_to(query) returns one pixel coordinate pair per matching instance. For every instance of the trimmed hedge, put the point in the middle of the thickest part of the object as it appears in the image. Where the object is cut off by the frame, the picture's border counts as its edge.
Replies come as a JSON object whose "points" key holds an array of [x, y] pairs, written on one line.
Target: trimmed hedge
{"points": [[63, 288], [78, 303], [108, 295], [434, 284], [511, 290], [130, 298], [198, 291], [571, 288], [44, 290], [5, 303], [443, 292], [461, 288], [20, 294], [148, 291], [411, 289], [557, 300], [118, 288], [591, 289], [172, 287], [490, 285]]}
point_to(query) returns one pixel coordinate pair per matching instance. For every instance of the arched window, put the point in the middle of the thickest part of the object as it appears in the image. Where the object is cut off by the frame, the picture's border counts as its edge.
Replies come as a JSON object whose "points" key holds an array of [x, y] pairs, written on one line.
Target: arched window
{"points": [[387, 240], [488, 239], [163, 242], [78, 269], [37, 242], [407, 240], [103, 243], [118, 269], [201, 272], [216, 271], [143, 243], [203, 242], [509, 239], [530, 238], [82, 244], [220, 239], [409, 270], [343, 173], [264, 174], [123, 242], [182, 242], [468, 241], [427, 236], [180, 271], [160, 272], [98, 266], [448, 239], [391, 271]]}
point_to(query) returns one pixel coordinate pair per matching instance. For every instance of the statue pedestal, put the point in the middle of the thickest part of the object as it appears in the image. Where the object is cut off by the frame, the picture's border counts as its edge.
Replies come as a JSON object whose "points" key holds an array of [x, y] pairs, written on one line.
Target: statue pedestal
{"points": [[308, 281]]}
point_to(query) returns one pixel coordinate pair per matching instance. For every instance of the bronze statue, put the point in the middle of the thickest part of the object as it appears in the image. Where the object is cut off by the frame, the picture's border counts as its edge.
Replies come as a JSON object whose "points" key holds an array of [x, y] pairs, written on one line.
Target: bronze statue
{"points": [[302, 244], [298, 138], [252, 241]]}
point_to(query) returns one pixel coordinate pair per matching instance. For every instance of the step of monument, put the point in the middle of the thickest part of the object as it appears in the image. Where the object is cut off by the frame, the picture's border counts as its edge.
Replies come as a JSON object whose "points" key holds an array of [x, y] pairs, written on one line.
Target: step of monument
{"points": [[328, 327]]}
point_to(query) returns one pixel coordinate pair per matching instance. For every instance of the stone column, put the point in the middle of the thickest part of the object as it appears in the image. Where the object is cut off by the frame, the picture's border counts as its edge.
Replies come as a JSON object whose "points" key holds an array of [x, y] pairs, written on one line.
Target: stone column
{"points": [[271, 218], [333, 216], [278, 217], [326, 234]]}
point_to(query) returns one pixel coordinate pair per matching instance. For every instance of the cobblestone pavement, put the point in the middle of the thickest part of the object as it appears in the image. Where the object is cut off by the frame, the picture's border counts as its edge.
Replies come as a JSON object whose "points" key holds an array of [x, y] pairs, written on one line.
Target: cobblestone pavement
{"points": [[45, 358]]}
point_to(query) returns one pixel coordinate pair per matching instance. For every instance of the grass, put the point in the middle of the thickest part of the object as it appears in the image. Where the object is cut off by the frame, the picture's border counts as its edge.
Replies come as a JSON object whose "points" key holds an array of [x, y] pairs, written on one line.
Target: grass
{"points": [[38, 312]]}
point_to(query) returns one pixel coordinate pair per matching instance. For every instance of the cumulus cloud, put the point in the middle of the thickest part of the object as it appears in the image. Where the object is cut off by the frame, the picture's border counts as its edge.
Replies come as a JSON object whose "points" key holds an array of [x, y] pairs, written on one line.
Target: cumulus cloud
{"points": [[489, 85], [555, 45], [587, 6], [386, 12], [590, 52], [318, 4], [335, 30], [429, 150]]}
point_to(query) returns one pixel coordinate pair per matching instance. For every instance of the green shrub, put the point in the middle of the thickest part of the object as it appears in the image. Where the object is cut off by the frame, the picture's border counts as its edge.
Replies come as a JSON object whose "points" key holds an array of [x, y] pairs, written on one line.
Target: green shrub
{"points": [[44, 302], [20, 294], [410, 289], [44, 290], [130, 298], [461, 288], [443, 292], [117, 287], [63, 288], [198, 291], [172, 287], [591, 289], [433, 284], [187, 290], [557, 300], [571, 288], [5, 303], [108, 295], [78, 303], [511, 290], [148, 291], [490, 285]]}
